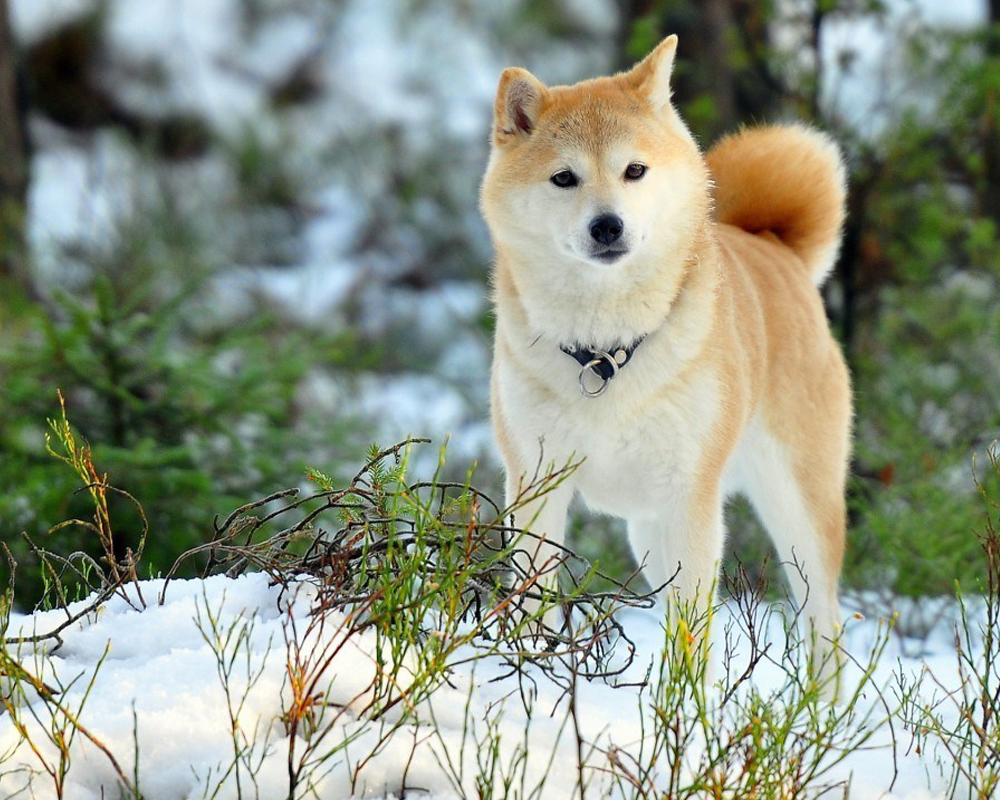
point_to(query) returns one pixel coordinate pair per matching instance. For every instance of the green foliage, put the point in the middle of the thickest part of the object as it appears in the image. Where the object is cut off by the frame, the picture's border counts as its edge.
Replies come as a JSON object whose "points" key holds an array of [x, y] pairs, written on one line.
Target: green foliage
{"points": [[602, 541], [960, 727], [933, 401], [924, 352], [264, 176], [186, 410]]}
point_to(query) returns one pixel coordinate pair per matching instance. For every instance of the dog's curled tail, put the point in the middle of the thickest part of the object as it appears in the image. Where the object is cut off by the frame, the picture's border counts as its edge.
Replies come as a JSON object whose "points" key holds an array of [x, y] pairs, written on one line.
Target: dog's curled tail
{"points": [[786, 179]]}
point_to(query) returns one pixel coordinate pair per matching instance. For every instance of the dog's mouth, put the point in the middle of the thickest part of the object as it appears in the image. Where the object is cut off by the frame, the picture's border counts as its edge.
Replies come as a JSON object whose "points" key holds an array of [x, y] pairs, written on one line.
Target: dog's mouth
{"points": [[609, 256]]}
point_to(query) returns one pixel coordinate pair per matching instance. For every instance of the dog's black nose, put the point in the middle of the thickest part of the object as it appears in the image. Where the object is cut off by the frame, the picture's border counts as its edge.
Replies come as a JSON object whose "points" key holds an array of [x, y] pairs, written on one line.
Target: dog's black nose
{"points": [[606, 228]]}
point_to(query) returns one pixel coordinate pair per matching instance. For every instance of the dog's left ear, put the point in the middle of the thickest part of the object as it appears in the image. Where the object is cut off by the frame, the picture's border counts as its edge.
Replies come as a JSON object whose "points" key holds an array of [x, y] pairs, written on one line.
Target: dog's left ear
{"points": [[652, 74]]}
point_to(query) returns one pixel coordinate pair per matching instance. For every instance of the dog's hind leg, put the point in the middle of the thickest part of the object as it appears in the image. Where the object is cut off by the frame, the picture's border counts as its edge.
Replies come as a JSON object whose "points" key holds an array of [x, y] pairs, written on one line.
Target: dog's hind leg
{"points": [[800, 500]]}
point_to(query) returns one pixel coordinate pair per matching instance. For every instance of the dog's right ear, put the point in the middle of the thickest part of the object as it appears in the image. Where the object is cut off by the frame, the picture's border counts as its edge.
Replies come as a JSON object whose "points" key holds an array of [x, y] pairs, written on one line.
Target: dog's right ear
{"points": [[518, 105]]}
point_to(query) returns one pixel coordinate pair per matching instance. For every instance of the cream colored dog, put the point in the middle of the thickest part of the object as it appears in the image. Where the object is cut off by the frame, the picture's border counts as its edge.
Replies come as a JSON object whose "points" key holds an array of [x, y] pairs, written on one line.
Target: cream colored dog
{"points": [[658, 317]]}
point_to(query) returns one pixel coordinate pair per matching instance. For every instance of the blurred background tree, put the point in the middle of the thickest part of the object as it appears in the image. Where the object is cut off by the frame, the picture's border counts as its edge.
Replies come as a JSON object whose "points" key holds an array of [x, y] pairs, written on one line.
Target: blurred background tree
{"points": [[13, 166], [245, 239]]}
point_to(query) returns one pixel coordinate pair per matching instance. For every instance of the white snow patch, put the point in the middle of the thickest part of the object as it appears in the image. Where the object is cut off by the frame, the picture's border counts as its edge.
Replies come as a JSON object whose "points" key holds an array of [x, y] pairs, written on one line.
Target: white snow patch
{"points": [[78, 194], [874, 81], [193, 43], [32, 20], [158, 704], [414, 404]]}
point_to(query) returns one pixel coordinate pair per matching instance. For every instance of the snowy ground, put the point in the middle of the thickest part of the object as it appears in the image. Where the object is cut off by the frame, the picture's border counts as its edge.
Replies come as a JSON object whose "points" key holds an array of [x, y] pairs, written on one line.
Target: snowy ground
{"points": [[152, 679]]}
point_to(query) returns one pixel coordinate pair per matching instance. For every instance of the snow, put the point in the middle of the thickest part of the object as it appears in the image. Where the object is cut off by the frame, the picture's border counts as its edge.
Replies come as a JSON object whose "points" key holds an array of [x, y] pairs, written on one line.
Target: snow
{"points": [[875, 76], [33, 19], [78, 194], [159, 704], [410, 404]]}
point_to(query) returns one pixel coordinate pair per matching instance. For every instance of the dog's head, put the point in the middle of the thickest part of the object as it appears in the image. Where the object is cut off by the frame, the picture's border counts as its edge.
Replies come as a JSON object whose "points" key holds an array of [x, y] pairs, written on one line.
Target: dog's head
{"points": [[600, 181]]}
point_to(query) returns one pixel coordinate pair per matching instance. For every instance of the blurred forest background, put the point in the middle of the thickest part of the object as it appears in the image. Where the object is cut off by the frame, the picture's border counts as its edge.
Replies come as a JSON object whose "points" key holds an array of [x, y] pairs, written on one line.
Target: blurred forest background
{"points": [[242, 238]]}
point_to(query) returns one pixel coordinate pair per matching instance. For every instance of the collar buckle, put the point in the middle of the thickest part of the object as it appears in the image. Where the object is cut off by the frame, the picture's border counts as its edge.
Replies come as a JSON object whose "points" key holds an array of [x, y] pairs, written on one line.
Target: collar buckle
{"points": [[599, 357], [603, 363]]}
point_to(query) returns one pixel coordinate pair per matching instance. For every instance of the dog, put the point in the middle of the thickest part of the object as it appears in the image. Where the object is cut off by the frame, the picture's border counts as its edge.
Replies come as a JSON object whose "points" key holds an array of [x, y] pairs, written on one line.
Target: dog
{"points": [[658, 320]]}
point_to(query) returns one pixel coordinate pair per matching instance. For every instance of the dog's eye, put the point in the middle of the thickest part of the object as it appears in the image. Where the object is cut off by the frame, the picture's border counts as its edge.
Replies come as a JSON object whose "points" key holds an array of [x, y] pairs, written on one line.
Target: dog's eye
{"points": [[564, 179], [634, 171]]}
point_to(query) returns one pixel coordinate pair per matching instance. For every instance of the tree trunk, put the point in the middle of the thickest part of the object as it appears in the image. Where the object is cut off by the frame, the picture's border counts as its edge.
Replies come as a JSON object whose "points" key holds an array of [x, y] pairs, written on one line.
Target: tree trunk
{"points": [[990, 199], [725, 78], [630, 12], [720, 79], [13, 160]]}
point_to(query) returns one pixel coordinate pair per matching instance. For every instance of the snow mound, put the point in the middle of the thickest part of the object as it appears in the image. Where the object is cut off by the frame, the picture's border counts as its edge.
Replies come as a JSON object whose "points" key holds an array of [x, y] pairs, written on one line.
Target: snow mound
{"points": [[193, 698]]}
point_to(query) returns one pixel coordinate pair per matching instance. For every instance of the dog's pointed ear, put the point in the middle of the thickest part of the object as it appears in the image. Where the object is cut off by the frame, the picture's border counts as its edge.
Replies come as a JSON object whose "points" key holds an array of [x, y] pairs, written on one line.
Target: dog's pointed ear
{"points": [[652, 74], [519, 102]]}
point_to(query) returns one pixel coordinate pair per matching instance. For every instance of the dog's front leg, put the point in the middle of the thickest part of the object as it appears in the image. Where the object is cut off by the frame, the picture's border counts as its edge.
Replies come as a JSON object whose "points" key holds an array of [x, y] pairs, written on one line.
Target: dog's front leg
{"points": [[680, 550], [539, 556]]}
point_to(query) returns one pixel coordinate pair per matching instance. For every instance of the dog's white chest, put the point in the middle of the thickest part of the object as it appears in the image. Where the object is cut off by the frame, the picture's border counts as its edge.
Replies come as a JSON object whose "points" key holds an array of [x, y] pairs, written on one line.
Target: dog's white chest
{"points": [[634, 453], [636, 468]]}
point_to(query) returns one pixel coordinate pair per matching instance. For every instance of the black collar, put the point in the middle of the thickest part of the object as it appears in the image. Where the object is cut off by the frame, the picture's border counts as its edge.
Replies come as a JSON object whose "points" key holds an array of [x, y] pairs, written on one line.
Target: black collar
{"points": [[603, 363]]}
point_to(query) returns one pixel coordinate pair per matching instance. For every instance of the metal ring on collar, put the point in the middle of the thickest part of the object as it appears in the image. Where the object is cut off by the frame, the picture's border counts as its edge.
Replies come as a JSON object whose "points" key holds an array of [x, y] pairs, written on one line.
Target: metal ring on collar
{"points": [[601, 356]]}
